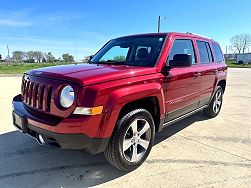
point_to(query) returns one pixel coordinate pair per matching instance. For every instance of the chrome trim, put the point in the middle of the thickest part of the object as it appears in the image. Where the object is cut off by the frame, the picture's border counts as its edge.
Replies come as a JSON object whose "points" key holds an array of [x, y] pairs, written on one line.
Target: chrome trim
{"points": [[183, 116]]}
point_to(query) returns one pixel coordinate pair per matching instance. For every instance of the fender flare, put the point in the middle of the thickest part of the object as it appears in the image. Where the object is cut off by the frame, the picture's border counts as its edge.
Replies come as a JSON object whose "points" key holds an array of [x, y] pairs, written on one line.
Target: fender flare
{"points": [[123, 96]]}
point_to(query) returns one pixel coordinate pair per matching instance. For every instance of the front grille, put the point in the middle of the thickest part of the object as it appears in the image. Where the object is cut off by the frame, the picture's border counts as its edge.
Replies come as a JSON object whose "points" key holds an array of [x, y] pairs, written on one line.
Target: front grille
{"points": [[37, 95]]}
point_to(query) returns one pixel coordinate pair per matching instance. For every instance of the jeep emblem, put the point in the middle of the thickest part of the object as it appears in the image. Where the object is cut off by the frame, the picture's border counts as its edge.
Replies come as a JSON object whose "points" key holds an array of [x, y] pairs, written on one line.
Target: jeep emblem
{"points": [[38, 73]]}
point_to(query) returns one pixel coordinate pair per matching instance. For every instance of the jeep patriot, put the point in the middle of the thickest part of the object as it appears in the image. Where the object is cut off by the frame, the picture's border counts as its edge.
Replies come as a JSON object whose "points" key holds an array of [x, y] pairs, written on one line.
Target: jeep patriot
{"points": [[129, 90]]}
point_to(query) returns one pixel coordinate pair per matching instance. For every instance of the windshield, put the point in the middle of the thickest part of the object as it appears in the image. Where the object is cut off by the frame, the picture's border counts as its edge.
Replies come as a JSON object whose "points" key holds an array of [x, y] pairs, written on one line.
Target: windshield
{"points": [[131, 51]]}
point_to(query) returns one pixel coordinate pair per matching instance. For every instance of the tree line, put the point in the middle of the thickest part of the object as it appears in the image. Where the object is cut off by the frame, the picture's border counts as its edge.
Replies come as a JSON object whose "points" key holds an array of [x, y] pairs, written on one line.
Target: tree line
{"points": [[38, 57]]}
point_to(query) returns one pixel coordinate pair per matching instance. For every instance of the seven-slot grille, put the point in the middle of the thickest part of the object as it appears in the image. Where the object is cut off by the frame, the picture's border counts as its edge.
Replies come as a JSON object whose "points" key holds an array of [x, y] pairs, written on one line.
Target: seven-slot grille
{"points": [[37, 95]]}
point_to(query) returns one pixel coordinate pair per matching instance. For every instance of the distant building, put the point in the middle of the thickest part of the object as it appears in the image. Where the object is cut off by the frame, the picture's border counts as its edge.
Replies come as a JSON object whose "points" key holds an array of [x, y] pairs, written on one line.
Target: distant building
{"points": [[232, 56], [243, 58]]}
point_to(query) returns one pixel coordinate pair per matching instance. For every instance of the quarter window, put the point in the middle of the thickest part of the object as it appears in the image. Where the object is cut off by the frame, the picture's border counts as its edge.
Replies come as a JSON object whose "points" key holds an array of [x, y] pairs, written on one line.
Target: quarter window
{"points": [[218, 53], [182, 46]]}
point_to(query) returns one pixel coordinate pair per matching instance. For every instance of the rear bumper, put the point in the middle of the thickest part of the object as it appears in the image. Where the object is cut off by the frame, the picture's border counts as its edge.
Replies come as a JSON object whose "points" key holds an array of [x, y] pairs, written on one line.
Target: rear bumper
{"points": [[65, 138]]}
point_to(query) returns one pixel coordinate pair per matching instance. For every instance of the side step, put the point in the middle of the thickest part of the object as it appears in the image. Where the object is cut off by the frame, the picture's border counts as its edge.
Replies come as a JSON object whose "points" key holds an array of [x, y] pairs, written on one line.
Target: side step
{"points": [[183, 116]]}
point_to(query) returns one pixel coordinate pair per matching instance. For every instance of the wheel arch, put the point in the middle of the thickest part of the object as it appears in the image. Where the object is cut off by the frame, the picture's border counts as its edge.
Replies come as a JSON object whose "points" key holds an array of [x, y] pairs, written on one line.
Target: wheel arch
{"points": [[148, 96], [222, 83]]}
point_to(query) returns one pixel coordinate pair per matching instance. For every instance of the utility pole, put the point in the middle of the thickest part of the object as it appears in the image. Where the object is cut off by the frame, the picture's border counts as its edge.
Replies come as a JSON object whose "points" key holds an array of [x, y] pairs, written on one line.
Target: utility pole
{"points": [[159, 18], [158, 24], [226, 49], [8, 54]]}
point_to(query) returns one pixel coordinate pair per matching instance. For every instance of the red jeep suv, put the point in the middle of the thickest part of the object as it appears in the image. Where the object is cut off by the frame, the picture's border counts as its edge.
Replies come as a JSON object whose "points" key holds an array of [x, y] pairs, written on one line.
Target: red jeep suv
{"points": [[131, 89]]}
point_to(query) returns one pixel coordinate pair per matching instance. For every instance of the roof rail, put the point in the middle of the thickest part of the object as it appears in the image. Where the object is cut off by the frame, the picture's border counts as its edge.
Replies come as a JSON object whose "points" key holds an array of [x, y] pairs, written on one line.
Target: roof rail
{"points": [[196, 34]]}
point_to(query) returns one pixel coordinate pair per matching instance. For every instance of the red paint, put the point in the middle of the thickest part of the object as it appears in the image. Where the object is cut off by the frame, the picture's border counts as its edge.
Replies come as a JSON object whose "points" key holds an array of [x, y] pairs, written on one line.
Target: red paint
{"points": [[113, 86]]}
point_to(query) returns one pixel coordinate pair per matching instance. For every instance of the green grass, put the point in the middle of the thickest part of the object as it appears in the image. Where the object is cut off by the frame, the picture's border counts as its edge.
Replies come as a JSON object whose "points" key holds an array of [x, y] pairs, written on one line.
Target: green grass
{"points": [[20, 68], [232, 63]]}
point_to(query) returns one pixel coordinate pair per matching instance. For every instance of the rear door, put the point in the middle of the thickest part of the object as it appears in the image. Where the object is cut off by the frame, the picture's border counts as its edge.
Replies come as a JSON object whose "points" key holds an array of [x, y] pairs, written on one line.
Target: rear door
{"points": [[182, 84], [207, 70]]}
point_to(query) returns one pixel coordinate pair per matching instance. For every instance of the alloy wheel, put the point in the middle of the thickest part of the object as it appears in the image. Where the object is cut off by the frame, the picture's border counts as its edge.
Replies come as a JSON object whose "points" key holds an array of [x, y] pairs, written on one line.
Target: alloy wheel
{"points": [[136, 140], [217, 101]]}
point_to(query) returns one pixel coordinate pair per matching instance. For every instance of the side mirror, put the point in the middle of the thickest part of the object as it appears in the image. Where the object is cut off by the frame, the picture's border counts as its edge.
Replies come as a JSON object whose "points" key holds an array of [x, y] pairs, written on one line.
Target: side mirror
{"points": [[181, 60]]}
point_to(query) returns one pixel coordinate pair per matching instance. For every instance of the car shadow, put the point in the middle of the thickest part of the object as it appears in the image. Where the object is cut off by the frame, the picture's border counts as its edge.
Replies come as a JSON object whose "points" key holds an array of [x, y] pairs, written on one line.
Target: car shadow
{"points": [[24, 163], [179, 126]]}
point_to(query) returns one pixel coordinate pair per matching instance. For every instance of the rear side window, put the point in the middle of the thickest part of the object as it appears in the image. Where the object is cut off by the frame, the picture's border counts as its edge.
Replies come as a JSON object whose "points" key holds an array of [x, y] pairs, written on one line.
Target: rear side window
{"points": [[218, 53], [205, 52], [210, 54], [182, 46]]}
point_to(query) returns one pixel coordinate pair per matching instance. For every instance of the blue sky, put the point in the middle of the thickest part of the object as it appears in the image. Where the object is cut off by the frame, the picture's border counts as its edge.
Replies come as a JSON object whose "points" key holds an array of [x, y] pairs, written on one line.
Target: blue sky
{"points": [[57, 26]]}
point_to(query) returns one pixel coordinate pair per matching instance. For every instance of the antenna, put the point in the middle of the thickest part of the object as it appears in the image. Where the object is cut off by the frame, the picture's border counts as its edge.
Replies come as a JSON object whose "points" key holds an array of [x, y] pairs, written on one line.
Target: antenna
{"points": [[76, 51]]}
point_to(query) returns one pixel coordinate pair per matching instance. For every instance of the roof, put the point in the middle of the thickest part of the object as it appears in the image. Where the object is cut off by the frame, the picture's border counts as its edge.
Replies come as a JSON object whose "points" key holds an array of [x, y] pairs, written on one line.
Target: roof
{"points": [[188, 34]]}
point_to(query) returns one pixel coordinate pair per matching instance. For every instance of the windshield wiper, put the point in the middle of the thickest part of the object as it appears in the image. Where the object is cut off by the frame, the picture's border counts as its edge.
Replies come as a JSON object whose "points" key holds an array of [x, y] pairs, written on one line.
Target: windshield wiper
{"points": [[112, 62]]}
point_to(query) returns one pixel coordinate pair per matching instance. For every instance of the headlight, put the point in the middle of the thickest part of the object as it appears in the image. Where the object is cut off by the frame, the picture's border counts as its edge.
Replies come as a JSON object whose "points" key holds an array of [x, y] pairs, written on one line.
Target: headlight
{"points": [[66, 96]]}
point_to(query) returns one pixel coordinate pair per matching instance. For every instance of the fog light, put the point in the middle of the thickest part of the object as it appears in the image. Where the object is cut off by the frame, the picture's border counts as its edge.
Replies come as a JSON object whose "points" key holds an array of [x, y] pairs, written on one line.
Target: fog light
{"points": [[88, 111]]}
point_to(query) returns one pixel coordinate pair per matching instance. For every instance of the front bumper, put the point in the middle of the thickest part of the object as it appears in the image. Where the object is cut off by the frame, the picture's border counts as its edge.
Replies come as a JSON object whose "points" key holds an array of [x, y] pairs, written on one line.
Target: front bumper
{"points": [[65, 133]]}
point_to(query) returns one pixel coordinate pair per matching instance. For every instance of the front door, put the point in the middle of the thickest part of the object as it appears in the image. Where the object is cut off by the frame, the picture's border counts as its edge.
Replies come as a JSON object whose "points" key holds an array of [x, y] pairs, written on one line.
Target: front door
{"points": [[182, 92]]}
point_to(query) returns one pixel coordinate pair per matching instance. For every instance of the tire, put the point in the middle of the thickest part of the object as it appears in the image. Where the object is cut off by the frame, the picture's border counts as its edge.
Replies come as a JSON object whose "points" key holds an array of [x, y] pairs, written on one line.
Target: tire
{"points": [[240, 62], [215, 105], [133, 133]]}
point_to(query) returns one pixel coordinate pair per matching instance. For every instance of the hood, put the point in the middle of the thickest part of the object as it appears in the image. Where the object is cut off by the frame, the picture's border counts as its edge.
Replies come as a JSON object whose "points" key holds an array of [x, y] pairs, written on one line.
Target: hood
{"points": [[88, 74]]}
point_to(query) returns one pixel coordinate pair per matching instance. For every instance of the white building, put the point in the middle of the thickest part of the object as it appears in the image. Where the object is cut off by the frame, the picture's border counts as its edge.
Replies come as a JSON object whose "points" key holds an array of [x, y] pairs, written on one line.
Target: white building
{"points": [[244, 58]]}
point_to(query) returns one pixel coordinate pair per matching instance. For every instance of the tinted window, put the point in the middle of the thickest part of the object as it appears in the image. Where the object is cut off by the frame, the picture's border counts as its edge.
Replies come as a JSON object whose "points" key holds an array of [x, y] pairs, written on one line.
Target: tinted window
{"points": [[211, 59], [218, 53], [182, 46], [203, 51]]}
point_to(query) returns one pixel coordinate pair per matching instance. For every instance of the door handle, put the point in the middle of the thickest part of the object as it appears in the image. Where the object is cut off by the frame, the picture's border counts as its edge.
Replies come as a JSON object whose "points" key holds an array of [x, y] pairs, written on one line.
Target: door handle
{"points": [[197, 74]]}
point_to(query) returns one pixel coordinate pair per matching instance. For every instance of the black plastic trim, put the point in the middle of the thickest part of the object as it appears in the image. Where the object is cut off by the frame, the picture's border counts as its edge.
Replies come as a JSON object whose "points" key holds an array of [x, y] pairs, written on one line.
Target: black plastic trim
{"points": [[70, 141]]}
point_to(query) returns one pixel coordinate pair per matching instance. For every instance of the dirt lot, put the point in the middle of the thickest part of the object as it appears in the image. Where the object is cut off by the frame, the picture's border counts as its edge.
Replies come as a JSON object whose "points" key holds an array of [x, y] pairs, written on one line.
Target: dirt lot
{"points": [[196, 152]]}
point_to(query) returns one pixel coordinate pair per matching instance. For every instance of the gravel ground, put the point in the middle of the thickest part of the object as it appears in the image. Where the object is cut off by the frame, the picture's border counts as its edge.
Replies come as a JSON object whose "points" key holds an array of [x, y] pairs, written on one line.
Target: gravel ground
{"points": [[195, 152]]}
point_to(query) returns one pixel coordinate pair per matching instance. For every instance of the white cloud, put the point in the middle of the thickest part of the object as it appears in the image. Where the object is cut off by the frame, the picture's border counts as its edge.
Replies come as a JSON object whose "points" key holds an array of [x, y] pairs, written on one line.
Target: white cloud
{"points": [[17, 18], [25, 30], [14, 23]]}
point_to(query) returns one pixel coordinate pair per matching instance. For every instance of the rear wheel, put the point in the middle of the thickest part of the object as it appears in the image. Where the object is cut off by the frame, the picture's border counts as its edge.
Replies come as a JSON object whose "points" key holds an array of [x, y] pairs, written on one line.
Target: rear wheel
{"points": [[131, 141], [214, 107]]}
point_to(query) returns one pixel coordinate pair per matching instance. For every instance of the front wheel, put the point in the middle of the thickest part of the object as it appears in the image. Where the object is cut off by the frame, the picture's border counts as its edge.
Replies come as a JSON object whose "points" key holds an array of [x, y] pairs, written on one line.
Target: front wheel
{"points": [[214, 106], [131, 141]]}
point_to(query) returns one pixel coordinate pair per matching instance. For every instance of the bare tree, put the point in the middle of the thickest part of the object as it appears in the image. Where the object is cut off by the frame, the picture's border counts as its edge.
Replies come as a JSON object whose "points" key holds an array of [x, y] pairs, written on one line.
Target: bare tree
{"points": [[18, 56], [30, 56], [86, 59], [38, 56], [240, 42], [49, 57]]}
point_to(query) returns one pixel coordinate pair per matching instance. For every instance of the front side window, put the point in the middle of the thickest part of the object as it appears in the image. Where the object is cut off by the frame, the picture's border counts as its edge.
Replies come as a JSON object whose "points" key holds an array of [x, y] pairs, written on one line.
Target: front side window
{"points": [[182, 46], [131, 51], [218, 53]]}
